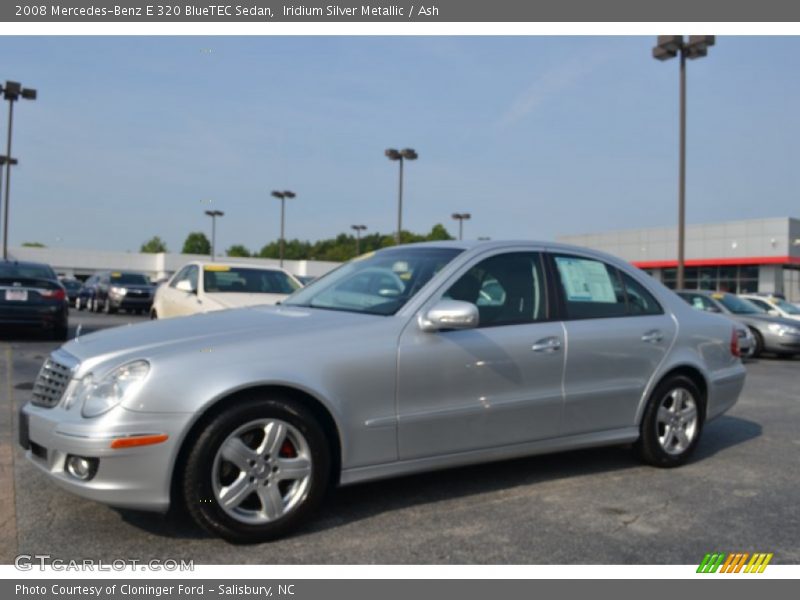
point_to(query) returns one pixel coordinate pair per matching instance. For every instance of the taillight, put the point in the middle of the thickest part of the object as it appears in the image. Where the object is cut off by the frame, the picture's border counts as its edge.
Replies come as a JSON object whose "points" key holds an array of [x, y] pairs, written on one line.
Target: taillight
{"points": [[735, 351], [57, 294]]}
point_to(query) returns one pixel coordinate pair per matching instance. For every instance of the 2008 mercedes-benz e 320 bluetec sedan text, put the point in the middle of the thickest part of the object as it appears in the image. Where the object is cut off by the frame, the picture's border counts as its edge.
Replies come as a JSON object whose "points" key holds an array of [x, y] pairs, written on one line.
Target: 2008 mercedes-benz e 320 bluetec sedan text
{"points": [[409, 359]]}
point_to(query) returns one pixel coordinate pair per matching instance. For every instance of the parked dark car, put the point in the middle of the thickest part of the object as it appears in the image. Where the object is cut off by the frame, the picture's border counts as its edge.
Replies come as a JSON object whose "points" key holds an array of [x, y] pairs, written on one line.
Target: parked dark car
{"points": [[123, 290], [86, 294], [31, 296], [73, 287]]}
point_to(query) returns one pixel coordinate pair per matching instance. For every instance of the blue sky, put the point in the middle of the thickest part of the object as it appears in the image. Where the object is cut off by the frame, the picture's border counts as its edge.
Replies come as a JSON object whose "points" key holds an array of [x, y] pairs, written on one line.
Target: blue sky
{"points": [[535, 136]]}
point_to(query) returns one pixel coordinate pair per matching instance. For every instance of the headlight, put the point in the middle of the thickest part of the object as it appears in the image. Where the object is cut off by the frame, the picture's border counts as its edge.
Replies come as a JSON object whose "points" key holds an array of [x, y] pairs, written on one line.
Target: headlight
{"points": [[783, 329], [119, 291], [98, 397]]}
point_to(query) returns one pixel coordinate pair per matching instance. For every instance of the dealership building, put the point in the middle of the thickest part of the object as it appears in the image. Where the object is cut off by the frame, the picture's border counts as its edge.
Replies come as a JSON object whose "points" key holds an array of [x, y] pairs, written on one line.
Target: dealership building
{"points": [[758, 255]]}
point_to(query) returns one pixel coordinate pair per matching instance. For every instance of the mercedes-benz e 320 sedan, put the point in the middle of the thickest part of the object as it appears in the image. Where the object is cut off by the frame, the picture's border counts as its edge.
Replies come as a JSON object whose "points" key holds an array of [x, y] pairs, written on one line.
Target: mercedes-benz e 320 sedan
{"points": [[410, 359]]}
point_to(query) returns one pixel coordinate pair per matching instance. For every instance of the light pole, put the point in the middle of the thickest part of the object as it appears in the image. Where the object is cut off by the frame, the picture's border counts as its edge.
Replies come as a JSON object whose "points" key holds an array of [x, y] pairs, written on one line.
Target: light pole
{"points": [[667, 47], [461, 217], [3, 161], [283, 196], [12, 91], [214, 214], [400, 155], [358, 229]]}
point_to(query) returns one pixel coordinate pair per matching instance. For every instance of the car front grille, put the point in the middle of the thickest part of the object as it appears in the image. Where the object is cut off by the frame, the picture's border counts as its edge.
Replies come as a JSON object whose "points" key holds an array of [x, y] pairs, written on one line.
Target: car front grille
{"points": [[51, 383]]}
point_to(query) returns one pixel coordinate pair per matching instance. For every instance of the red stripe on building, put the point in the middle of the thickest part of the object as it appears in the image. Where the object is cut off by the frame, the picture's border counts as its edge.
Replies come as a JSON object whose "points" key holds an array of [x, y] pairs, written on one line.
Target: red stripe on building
{"points": [[716, 262]]}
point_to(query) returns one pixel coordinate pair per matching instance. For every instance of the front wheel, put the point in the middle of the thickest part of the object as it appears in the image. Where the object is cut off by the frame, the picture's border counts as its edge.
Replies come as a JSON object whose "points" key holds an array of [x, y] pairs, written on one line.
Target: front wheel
{"points": [[257, 471], [759, 343], [672, 423]]}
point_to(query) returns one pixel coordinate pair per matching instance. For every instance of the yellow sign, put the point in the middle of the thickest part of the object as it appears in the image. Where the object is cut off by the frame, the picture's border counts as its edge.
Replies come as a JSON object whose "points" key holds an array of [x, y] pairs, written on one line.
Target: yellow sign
{"points": [[216, 268]]}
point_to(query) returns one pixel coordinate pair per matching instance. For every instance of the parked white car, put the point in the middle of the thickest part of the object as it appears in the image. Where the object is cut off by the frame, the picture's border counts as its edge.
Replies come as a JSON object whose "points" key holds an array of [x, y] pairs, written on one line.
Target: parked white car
{"points": [[202, 287], [777, 307]]}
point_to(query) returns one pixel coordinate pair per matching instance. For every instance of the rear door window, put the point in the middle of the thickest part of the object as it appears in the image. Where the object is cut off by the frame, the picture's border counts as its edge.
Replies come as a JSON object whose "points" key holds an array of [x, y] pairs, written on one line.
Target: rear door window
{"points": [[591, 289]]}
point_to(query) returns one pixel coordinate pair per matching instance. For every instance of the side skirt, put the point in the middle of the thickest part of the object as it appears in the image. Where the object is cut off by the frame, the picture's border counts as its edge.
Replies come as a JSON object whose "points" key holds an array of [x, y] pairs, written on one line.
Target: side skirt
{"points": [[420, 465]]}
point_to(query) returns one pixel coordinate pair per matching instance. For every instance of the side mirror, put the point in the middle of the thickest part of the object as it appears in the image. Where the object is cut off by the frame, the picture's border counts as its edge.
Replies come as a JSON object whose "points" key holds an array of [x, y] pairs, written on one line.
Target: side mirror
{"points": [[449, 314], [185, 286]]}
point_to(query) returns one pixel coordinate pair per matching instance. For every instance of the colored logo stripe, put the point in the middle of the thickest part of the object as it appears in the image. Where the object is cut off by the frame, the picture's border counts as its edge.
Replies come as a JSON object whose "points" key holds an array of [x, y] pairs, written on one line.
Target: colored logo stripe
{"points": [[734, 563]]}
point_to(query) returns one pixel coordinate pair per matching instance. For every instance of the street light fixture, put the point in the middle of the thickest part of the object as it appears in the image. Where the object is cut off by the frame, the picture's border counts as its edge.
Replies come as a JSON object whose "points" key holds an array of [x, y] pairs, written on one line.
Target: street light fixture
{"points": [[461, 217], [358, 229], [401, 156], [283, 196], [667, 47], [12, 91], [214, 214]]}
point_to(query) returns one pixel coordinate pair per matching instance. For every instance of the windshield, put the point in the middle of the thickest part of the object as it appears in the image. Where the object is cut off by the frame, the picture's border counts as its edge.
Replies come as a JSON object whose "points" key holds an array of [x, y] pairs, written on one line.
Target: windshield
{"points": [[71, 284], [787, 307], [738, 306], [129, 279], [376, 283], [219, 279], [27, 271]]}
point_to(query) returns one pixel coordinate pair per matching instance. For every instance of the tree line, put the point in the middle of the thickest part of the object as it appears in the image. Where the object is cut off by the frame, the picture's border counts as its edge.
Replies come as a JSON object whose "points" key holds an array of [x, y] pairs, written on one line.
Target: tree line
{"points": [[336, 249]]}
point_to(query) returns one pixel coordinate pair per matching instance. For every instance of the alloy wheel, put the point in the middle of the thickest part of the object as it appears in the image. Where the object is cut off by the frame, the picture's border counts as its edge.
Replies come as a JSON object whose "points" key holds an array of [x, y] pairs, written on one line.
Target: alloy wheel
{"points": [[262, 471], [677, 421]]}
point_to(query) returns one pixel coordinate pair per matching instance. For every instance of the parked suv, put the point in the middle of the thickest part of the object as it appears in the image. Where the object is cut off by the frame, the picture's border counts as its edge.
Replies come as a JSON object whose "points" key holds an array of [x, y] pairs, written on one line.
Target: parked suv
{"points": [[123, 290]]}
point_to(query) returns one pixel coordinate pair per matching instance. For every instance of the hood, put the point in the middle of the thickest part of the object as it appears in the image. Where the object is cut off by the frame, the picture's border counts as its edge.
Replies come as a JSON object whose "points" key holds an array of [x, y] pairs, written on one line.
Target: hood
{"points": [[764, 319], [200, 331], [239, 300]]}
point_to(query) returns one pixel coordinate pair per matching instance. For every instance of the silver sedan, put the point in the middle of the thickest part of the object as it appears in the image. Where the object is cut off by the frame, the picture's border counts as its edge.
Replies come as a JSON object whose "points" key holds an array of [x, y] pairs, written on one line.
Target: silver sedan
{"points": [[410, 359]]}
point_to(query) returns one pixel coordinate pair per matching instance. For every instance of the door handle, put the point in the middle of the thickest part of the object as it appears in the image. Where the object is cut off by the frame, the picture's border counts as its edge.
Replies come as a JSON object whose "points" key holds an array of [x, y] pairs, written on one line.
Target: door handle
{"points": [[548, 344], [653, 336]]}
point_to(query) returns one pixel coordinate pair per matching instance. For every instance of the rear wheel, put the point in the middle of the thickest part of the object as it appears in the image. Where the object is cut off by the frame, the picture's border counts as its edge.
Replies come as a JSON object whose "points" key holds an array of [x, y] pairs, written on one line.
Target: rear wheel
{"points": [[257, 471], [60, 333], [672, 423], [153, 314]]}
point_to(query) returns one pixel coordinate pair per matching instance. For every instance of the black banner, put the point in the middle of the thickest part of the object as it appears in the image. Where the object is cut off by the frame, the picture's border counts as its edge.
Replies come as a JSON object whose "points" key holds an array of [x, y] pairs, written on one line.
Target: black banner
{"points": [[255, 11]]}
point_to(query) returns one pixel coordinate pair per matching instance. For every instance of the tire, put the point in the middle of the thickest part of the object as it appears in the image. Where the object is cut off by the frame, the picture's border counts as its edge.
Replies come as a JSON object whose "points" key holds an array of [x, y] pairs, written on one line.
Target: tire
{"points": [[659, 444], [60, 333], [260, 436], [153, 314], [107, 308], [759, 349]]}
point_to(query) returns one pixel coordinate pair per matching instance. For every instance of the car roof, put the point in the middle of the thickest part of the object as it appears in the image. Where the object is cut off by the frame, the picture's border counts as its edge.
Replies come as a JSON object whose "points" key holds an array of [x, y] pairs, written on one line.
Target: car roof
{"points": [[710, 293], [500, 244], [203, 263], [24, 263]]}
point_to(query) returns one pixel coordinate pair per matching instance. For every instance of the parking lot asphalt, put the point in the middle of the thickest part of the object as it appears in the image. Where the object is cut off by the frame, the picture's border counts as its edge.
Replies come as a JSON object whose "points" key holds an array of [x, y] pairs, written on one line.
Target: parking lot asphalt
{"points": [[598, 506]]}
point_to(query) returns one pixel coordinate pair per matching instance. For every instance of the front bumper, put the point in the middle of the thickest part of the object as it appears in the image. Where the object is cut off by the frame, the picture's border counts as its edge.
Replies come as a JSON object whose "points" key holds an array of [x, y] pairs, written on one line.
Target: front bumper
{"points": [[130, 303], [782, 343], [137, 477]]}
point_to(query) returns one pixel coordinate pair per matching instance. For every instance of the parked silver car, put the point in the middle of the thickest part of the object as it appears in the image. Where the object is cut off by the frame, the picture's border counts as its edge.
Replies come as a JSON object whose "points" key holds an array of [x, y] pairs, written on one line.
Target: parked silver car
{"points": [[475, 352], [702, 301], [772, 334]]}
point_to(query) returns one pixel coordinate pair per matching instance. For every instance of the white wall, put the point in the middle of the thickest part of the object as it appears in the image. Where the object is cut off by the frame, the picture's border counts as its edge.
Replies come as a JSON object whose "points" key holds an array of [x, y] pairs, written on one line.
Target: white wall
{"points": [[68, 261]]}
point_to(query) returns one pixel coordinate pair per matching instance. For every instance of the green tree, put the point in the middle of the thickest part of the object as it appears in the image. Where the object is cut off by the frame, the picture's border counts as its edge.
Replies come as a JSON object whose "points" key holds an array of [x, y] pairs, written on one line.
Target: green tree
{"points": [[238, 250], [33, 245], [154, 245], [439, 233], [196, 243]]}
